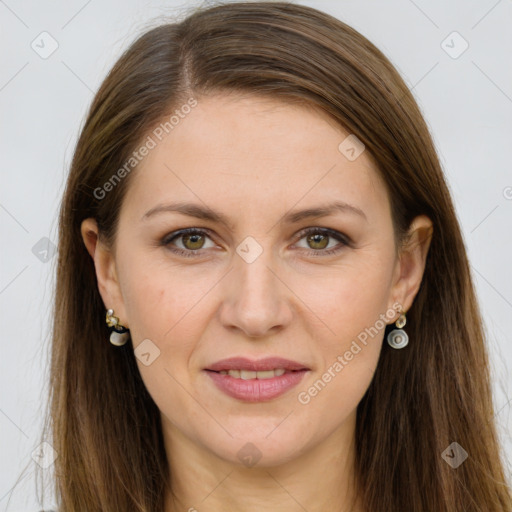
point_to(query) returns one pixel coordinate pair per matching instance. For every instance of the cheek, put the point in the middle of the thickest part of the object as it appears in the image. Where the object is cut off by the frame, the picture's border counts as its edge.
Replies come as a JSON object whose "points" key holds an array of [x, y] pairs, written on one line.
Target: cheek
{"points": [[349, 357], [354, 307], [158, 297], [161, 309], [167, 307], [350, 299], [145, 296]]}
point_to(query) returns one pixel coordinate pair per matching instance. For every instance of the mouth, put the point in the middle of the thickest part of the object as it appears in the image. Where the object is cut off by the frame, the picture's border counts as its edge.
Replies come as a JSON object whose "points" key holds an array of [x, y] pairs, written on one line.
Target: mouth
{"points": [[256, 380], [243, 364], [249, 374]]}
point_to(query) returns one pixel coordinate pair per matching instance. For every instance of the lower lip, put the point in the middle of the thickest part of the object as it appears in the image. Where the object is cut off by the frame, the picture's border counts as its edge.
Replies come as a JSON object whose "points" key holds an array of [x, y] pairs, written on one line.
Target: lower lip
{"points": [[256, 390]]}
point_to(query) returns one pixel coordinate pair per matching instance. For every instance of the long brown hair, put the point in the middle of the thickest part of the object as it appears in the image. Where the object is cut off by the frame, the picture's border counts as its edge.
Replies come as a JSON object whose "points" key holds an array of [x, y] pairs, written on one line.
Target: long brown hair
{"points": [[101, 420]]}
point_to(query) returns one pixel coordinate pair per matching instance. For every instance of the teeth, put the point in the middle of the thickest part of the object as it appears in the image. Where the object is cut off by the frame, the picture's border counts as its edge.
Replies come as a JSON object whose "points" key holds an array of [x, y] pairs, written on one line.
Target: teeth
{"points": [[268, 374], [247, 374]]}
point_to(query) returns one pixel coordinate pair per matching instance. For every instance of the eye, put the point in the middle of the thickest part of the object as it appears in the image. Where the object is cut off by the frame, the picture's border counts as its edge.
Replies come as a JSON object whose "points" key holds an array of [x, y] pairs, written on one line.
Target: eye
{"points": [[317, 238], [193, 241]]}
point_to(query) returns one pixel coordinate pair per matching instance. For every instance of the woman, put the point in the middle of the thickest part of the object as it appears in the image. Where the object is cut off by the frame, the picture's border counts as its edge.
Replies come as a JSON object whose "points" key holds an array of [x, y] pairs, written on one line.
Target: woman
{"points": [[257, 220]]}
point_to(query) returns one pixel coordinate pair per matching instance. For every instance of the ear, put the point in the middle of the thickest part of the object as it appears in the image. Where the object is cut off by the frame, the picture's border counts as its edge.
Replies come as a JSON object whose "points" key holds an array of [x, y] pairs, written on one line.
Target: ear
{"points": [[104, 263], [411, 262]]}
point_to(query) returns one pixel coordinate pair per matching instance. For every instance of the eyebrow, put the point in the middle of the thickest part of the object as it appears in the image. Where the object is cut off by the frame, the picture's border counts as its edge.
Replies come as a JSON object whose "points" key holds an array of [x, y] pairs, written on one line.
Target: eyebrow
{"points": [[294, 216]]}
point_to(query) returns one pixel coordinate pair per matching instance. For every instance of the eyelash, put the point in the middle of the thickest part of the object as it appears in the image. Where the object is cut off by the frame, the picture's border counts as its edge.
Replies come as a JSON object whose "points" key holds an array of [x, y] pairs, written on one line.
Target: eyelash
{"points": [[345, 241]]}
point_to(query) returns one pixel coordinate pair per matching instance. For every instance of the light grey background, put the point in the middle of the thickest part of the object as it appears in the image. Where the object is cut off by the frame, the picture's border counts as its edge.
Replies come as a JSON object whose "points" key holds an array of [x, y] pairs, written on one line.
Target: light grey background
{"points": [[467, 102]]}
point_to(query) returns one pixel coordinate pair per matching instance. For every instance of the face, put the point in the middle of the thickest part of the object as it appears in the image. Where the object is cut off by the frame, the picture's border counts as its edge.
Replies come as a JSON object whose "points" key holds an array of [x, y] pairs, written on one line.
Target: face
{"points": [[300, 299]]}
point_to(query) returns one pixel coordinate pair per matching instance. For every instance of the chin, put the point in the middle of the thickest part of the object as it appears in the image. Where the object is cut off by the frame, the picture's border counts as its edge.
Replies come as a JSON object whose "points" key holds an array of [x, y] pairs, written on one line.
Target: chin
{"points": [[255, 448]]}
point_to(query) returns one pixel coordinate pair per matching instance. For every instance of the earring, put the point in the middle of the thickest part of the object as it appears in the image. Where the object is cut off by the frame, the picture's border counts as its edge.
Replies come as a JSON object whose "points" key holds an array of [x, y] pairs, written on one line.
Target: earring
{"points": [[398, 338], [118, 333]]}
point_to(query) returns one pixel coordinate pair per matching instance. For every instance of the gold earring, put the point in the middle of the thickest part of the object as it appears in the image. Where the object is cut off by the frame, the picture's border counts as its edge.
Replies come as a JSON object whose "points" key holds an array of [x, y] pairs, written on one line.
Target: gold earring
{"points": [[398, 338], [118, 333]]}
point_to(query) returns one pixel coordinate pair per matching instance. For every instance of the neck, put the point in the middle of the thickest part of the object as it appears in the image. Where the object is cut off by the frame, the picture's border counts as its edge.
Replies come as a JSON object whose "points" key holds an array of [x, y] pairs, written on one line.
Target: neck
{"points": [[317, 480]]}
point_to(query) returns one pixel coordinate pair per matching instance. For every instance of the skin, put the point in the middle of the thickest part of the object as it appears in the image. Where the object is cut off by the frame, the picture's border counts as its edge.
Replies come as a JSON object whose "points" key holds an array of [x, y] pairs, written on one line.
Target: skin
{"points": [[254, 160]]}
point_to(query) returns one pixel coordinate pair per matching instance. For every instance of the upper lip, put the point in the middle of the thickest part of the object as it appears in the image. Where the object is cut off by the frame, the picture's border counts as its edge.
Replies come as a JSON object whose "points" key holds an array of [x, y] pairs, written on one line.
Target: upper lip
{"points": [[268, 363]]}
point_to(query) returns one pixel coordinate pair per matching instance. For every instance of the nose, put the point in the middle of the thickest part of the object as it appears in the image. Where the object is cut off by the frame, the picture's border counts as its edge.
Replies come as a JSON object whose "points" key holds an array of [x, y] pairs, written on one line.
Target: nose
{"points": [[256, 299]]}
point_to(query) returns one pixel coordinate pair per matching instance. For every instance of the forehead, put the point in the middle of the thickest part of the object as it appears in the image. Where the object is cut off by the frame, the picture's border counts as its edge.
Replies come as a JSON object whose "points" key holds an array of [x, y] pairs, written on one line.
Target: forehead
{"points": [[233, 150]]}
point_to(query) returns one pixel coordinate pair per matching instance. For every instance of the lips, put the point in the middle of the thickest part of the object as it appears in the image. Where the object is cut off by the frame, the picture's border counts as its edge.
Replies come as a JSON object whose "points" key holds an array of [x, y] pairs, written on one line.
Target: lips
{"points": [[256, 381], [249, 374], [261, 365]]}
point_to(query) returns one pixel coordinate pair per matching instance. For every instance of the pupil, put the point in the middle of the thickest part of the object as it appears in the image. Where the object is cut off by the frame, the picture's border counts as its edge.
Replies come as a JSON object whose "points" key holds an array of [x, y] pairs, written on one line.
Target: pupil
{"points": [[189, 237], [317, 239]]}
